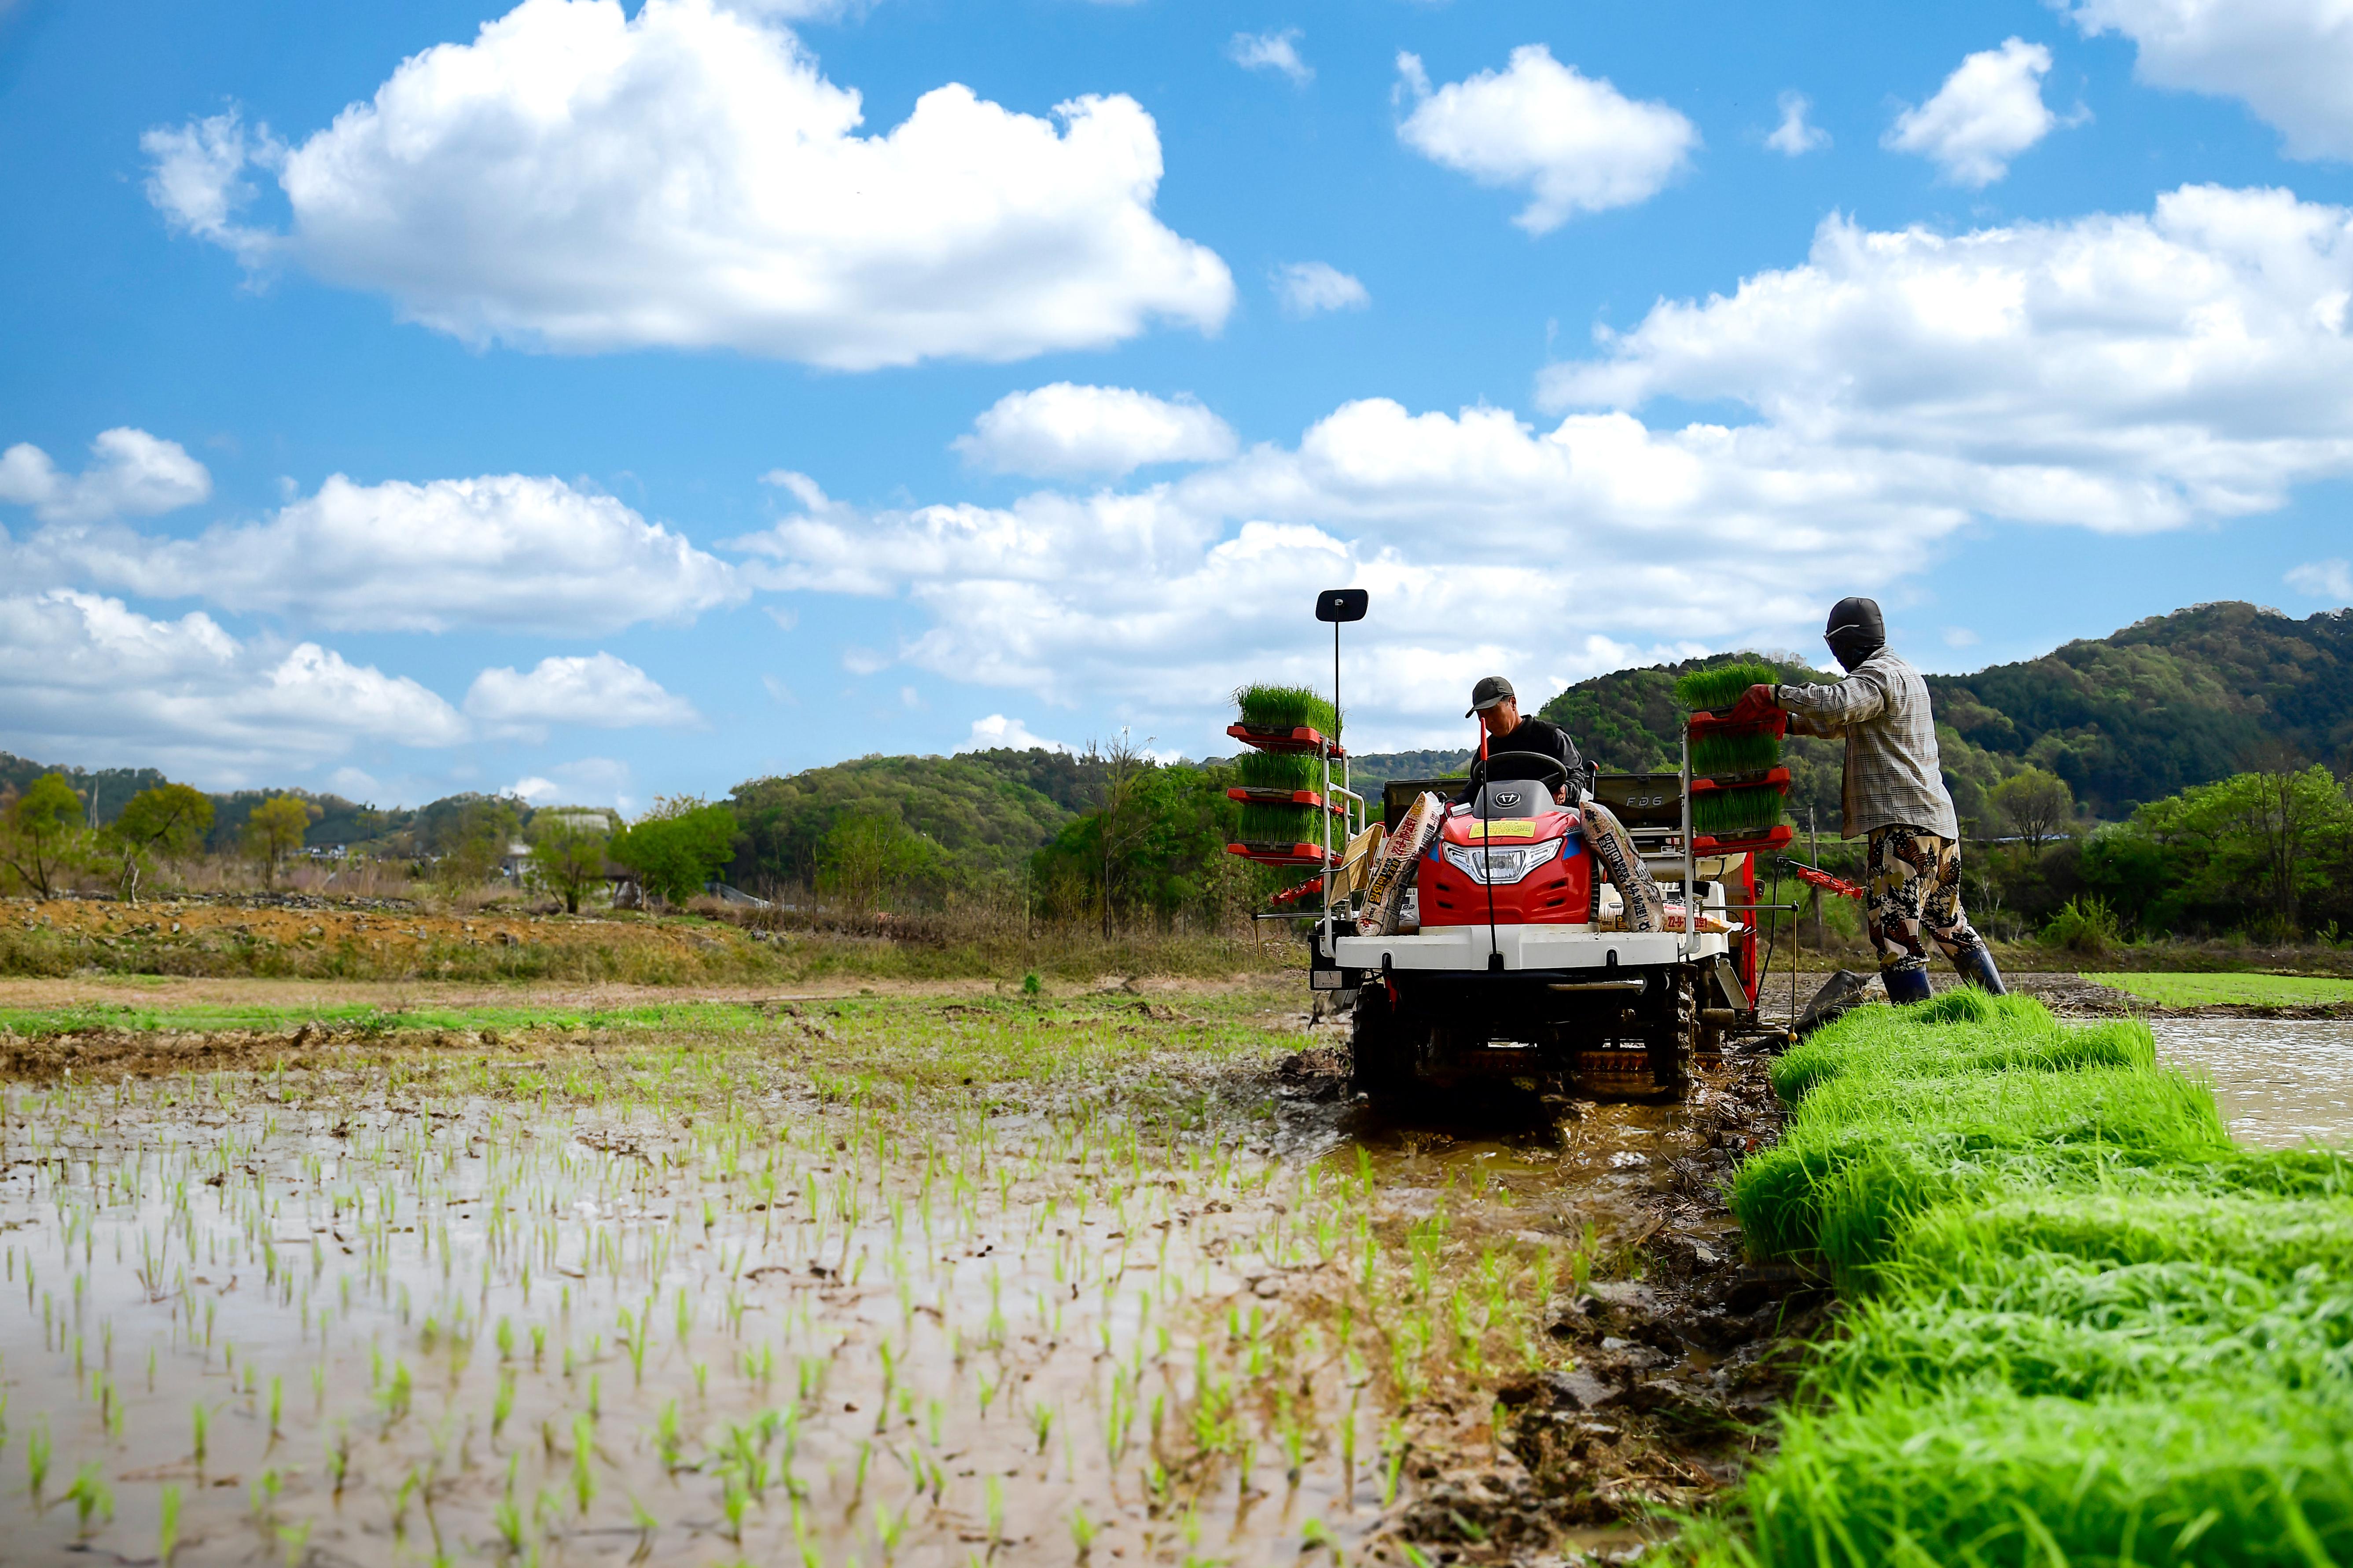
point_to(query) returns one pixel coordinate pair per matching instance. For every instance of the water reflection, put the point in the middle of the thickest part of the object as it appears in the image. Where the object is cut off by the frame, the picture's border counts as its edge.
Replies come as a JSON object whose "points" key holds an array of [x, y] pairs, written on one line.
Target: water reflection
{"points": [[2280, 1083]]}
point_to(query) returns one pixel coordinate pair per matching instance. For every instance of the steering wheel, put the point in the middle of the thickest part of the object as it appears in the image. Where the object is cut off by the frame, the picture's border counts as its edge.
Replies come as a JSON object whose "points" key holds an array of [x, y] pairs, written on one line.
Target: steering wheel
{"points": [[1559, 769]]}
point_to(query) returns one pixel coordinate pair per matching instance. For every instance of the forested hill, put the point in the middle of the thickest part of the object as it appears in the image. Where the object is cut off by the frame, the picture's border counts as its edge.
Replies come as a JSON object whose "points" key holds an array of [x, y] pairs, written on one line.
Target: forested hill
{"points": [[2167, 702]]}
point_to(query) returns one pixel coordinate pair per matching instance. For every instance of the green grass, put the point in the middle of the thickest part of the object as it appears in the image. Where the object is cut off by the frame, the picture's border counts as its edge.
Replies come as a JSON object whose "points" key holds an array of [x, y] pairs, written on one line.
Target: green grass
{"points": [[43, 1023], [1722, 685], [1279, 770], [1286, 708], [2083, 1326], [2244, 990], [1720, 753]]}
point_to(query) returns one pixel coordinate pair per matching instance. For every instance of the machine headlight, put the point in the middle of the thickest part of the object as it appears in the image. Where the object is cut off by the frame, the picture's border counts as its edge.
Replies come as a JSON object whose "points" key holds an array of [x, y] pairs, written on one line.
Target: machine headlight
{"points": [[1499, 864]]}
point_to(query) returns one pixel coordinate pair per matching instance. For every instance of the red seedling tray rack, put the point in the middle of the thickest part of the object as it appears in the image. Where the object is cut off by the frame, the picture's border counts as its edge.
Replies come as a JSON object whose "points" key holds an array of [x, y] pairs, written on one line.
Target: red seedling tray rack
{"points": [[1251, 796], [1301, 739], [1282, 854], [1756, 844], [1776, 778]]}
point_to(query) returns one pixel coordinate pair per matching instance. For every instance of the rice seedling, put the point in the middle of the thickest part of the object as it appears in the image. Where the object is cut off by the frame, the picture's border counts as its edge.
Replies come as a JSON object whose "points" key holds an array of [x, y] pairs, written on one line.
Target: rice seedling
{"points": [[1036, 1316], [2085, 1326], [1286, 708], [1736, 813], [1285, 770], [1723, 753], [1721, 686]]}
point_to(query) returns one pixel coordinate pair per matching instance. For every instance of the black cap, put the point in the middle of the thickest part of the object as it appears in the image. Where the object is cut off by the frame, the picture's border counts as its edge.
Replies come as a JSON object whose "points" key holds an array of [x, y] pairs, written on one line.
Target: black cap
{"points": [[1488, 693]]}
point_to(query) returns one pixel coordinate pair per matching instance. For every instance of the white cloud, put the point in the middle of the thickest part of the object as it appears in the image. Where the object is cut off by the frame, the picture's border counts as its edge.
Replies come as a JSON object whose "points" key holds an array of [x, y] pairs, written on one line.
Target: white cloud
{"points": [[1575, 142], [1961, 636], [591, 781], [2122, 374], [1989, 112], [130, 474], [1794, 137], [355, 783], [2330, 580], [507, 551], [95, 681], [1271, 51], [597, 689], [1305, 288], [997, 732], [2289, 61], [582, 180], [1065, 429]]}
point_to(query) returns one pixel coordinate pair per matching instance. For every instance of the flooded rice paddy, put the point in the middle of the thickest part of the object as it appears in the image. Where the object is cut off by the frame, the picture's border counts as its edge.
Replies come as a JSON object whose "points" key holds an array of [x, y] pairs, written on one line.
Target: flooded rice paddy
{"points": [[879, 1283], [2280, 1083]]}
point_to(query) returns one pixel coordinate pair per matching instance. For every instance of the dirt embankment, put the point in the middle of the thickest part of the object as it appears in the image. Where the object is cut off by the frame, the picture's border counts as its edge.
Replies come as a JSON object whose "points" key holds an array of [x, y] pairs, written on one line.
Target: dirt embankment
{"points": [[363, 940]]}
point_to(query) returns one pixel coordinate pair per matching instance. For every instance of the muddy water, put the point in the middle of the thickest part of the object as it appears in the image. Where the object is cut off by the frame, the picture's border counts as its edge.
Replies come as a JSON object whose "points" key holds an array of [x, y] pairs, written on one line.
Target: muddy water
{"points": [[2280, 1083], [1154, 1304]]}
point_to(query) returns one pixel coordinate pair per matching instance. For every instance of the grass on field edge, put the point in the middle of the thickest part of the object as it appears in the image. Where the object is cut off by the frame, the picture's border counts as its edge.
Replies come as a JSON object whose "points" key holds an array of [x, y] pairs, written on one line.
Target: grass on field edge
{"points": [[715, 954], [2083, 1327]]}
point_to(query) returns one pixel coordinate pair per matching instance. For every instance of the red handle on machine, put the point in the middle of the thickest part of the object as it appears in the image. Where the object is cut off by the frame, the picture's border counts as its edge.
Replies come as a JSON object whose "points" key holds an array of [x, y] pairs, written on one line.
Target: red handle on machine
{"points": [[1814, 877]]}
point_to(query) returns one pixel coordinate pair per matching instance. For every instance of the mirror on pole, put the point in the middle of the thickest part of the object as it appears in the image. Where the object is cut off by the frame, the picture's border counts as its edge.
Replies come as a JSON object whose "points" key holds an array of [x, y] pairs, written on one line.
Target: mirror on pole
{"points": [[1338, 605]]}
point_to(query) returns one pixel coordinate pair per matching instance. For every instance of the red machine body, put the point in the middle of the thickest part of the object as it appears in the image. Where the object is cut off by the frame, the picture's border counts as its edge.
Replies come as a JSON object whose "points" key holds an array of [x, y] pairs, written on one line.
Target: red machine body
{"points": [[1553, 887]]}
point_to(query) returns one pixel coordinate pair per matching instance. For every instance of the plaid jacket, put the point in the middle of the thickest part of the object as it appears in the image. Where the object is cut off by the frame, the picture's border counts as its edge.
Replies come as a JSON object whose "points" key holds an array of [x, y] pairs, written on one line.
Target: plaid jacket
{"points": [[1893, 777]]}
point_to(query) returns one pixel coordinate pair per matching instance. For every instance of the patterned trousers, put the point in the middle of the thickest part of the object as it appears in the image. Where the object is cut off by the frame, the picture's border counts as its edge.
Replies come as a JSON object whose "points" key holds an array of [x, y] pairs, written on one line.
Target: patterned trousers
{"points": [[1914, 880]]}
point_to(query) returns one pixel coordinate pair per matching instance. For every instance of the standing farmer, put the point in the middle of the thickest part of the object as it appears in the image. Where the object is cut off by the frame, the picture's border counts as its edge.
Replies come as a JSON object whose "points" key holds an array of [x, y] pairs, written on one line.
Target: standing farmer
{"points": [[1892, 791]]}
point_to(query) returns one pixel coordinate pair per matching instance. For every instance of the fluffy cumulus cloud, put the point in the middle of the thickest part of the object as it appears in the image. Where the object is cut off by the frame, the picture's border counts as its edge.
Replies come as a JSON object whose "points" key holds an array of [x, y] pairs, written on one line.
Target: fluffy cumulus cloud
{"points": [[509, 552], [598, 690], [1574, 143], [2123, 374], [1309, 288], [1271, 52], [583, 180], [1064, 430], [130, 474], [2289, 61], [1989, 112], [93, 679]]}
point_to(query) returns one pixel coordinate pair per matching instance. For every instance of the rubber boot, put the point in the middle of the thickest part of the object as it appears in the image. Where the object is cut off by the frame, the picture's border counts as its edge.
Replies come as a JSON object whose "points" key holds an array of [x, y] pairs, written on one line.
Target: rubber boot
{"points": [[1977, 967], [1905, 986]]}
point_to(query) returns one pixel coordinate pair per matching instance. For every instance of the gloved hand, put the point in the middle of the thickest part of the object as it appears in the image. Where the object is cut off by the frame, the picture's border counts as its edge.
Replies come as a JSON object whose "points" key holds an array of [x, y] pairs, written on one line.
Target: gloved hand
{"points": [[1757, 704]]}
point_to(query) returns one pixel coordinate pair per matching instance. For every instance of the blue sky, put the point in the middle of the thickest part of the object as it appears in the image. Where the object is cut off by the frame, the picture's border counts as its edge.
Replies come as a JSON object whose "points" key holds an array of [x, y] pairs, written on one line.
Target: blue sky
{"points": [[599, 401]]}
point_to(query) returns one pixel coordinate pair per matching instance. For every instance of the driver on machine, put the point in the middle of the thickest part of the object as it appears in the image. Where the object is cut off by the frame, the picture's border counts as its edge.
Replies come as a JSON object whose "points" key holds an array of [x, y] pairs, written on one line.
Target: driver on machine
{"points": [[1497, 708]]}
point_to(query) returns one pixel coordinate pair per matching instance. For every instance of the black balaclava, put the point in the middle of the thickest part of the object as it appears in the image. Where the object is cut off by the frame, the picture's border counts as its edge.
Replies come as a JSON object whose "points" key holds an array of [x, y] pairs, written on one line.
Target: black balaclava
{"points": [[1855, 631]]}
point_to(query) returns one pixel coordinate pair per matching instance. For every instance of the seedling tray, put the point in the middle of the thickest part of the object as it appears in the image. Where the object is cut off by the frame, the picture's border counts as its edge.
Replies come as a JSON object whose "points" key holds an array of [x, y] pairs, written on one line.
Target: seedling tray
{"points": [[1282, 854], [1250, 796], [1301, 739]]}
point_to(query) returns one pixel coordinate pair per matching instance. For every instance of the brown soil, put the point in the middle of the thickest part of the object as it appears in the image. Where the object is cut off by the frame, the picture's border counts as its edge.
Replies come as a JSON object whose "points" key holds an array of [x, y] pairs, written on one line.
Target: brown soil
{"points": [[1675, 1361]]}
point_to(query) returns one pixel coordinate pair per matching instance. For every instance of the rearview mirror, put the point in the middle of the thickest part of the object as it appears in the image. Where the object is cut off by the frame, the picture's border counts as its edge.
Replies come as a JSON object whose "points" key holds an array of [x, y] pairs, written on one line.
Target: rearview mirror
{"points": [[1337, 604]]}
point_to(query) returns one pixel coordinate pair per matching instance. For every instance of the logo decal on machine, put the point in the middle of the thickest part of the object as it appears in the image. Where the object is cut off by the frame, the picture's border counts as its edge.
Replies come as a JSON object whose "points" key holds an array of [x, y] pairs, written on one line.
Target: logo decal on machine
{"points": [[1507, 799]]}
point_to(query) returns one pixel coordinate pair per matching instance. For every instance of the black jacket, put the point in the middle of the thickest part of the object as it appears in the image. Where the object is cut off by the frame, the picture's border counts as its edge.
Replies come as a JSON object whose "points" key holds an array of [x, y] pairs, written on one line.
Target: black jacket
{"points": [[1535, 735]]}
